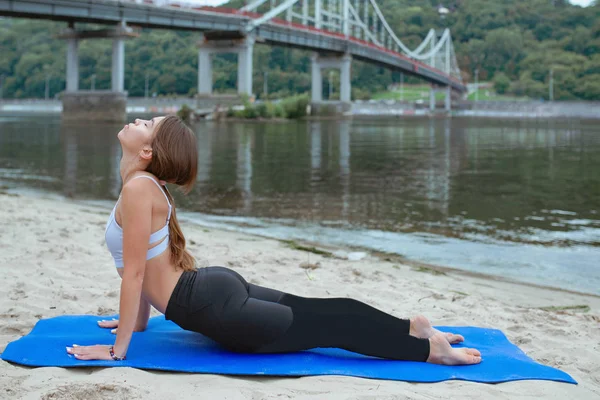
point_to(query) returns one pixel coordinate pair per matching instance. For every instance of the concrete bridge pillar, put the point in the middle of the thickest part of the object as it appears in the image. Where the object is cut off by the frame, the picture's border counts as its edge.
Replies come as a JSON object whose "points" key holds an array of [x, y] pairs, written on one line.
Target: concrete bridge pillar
{"points": [[204, 72], [96, 105], [447, 97], [243, 49], [72, 65], [245, 52], [317, 79], [344, 64], [118, 65], [118, 34], [345, 78], [432, 94]]}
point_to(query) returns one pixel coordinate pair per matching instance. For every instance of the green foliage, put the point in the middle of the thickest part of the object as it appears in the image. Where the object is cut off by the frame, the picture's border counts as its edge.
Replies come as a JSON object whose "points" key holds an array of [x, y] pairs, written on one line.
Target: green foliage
{"points": [[249, 112], [270, 110], [278, 111], [520, 39], [291, 107], [295, 107], [501, 83], [262, 111], [589, 89], [185, 113]]}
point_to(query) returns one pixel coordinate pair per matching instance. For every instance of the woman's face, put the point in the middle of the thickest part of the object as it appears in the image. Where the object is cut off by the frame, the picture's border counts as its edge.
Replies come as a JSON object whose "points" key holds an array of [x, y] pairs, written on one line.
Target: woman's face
{"points": [[137, 136]]}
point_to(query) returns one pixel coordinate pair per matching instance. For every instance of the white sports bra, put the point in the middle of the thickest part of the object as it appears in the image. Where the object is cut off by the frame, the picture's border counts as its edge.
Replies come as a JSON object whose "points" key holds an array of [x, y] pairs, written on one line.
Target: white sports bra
{"points": [[114, 233]]}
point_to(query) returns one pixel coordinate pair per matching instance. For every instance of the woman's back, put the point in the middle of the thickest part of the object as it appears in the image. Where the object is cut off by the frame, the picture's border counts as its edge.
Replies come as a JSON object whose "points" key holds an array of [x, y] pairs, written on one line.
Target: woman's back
{"points": [[161, 274]]}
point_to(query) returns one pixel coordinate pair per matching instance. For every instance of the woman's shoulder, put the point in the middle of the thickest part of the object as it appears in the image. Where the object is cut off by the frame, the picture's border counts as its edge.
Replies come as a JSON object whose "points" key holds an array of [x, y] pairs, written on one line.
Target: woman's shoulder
{"points": [[142, 179], [139, 183], [149, 186]]}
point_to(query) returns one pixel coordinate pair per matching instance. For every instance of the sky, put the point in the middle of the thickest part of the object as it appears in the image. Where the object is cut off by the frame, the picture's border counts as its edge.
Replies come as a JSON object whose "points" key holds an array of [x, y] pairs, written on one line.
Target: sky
{"points": [[583, 3], [206, 2]]}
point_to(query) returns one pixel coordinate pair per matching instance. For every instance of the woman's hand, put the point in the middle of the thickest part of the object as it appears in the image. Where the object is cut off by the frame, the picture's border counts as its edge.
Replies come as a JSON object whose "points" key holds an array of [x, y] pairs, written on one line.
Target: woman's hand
{"points": [[109, 324], [97, 352]]}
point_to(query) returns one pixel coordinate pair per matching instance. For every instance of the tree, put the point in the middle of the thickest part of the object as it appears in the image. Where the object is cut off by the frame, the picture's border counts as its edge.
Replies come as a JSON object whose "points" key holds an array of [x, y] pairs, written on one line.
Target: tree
{"points": [[503, 48], [501, 83], [520, 39], [476, 51]]}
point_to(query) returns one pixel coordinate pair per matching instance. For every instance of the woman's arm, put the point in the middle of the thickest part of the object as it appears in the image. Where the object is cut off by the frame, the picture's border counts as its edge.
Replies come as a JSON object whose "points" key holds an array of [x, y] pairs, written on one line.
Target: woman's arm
{"points": [[140, 324], [142, 319], [136, 215], [143, 315]]}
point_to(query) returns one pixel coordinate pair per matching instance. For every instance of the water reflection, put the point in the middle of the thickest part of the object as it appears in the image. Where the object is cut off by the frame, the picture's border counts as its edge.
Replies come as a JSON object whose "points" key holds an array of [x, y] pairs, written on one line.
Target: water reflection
{"points": [[115, 183], [438, 172], [244, 167], [344, 129], [315, 149], [205, 151], [509, 180], [71, 160]]}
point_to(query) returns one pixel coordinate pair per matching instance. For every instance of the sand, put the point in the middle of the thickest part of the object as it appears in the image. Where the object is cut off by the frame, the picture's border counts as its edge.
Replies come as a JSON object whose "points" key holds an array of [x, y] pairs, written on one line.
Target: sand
{"points": [[53, 261]]}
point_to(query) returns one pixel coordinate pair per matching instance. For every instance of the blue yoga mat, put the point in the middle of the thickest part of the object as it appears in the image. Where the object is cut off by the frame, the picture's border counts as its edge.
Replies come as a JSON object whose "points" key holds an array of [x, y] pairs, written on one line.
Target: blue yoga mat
{"points": [[165, 346]]}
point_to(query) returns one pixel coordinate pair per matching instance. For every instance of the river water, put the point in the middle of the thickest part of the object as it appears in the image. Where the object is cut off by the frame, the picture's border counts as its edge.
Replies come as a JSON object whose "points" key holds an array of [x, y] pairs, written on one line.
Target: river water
{"points": [[518, 199]]}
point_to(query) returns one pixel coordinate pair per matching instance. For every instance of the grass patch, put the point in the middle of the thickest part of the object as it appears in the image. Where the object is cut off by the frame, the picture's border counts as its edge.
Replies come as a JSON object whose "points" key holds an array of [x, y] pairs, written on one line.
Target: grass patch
{"points": [[461, 293], [293, 245], [421, 92], [396, 266], [489, 94], [577, 308], [429, 270], [411, 93], [290, 107]]}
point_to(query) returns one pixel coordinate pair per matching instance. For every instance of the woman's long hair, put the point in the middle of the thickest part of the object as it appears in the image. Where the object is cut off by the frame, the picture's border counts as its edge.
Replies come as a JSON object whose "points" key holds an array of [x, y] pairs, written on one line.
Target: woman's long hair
{"points": [[175, 160]]}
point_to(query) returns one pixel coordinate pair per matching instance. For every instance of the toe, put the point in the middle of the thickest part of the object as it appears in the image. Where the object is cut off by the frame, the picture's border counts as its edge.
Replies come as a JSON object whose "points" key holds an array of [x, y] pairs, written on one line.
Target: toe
{"points": [[473, 352], [470, 356], [454, 339], [474, 360]]}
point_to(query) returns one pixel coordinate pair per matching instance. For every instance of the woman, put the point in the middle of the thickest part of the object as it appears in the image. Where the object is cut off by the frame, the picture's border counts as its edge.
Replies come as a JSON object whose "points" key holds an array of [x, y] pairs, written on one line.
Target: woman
{"points": [[148, 247]]}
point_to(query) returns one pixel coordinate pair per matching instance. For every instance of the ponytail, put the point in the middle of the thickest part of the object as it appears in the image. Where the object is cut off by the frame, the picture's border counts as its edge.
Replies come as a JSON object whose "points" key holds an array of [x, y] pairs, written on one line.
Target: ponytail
{"points": [[180, 257], [175, 160]]}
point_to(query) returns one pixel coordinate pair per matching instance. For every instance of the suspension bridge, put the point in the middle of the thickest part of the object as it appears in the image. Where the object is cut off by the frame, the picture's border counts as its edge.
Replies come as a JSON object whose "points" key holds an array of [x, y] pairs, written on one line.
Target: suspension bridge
{"points": [[336, 31]]}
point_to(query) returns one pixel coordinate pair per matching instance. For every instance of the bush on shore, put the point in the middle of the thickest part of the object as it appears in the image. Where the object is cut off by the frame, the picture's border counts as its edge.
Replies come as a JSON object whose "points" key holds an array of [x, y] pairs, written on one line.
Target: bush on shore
{"points": [[290, 108]]}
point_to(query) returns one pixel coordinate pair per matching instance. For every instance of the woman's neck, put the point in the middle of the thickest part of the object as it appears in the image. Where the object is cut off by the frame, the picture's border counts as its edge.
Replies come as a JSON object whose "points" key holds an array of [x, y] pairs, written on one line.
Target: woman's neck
{"points": [[129, 166]]}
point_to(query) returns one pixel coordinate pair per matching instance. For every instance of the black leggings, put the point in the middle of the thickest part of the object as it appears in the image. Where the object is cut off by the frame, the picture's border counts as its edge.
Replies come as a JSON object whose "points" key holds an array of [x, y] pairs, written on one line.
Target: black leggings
{"points": [[218, 302]]}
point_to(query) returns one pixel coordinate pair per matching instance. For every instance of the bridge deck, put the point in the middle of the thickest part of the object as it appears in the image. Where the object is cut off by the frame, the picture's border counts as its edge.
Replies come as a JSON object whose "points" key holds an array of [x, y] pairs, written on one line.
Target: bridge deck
{"points": [[276, 32]]}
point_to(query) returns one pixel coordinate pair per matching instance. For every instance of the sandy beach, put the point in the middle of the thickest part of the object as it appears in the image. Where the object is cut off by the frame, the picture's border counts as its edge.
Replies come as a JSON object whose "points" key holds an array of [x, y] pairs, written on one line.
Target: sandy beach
{"points": [[54, 262]]}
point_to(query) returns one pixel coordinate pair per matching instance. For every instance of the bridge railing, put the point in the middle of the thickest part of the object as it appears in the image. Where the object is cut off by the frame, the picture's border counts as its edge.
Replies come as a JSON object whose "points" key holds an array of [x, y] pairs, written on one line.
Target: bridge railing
{"points": [[360, 21]]}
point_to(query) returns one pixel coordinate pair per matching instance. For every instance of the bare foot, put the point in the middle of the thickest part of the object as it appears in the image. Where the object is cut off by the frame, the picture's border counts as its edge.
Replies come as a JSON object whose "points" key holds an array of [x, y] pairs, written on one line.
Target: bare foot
{"points": [[421, 327], [440, 352]]}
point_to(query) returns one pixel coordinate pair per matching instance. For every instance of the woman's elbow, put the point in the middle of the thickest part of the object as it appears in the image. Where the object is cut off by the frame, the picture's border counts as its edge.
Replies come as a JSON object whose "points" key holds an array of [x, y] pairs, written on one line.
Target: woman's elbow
{"points": [[134, 275]]}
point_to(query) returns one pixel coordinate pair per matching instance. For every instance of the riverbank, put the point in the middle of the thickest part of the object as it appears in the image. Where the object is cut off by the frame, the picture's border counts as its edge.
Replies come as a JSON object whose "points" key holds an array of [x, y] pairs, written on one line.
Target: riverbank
{"points": [[370, 108], [482, 109], [55, 262]]}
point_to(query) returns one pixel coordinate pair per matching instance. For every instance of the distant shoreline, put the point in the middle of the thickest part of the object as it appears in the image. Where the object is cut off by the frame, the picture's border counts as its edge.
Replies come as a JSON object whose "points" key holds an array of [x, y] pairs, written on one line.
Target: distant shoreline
{"points": [[360, 109]]}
